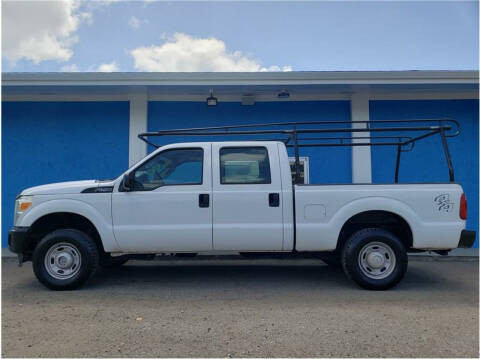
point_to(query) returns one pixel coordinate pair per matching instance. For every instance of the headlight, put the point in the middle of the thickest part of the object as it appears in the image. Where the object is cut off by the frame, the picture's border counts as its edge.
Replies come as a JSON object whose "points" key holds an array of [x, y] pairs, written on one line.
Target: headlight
{"points": [[22, 204]]}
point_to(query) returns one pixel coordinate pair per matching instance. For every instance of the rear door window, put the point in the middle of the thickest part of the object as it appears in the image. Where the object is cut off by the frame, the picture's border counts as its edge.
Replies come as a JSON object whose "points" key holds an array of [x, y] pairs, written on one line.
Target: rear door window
{"points": [[244, 165]]}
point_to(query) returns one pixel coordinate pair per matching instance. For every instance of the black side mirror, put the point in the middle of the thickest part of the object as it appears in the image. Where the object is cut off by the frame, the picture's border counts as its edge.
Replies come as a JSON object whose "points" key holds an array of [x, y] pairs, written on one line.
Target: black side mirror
{"points": [[127, 182]]}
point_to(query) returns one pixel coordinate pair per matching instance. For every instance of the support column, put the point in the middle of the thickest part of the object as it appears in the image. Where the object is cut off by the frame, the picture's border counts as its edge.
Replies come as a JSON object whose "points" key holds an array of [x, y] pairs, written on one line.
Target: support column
{"points": [[137, 149], [361, 155]]}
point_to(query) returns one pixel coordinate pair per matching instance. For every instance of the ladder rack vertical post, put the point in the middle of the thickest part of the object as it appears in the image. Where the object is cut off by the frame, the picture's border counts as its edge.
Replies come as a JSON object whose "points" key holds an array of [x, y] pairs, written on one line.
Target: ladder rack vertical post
{"points": [[447, 153], [297, 158], [397, 164]]}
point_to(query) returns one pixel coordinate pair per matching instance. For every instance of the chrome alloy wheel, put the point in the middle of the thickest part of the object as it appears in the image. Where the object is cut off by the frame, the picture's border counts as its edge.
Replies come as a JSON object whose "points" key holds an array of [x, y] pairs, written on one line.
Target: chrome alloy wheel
{"points": [[377, 260], [63, 261]]}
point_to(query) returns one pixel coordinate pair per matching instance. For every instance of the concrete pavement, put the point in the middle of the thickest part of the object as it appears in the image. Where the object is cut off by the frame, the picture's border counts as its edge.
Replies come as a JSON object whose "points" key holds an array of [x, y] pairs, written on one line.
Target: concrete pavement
{"points": [[243, 308]]}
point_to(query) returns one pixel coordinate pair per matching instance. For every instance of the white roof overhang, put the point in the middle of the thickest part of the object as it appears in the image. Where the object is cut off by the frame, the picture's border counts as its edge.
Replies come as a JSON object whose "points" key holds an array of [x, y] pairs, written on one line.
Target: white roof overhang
{"points": [[238, 83]]}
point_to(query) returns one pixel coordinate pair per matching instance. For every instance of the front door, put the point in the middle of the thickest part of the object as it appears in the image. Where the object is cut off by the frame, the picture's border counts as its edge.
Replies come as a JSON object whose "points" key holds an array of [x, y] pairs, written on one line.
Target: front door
{"points": [[169, 209], [247, 207]]}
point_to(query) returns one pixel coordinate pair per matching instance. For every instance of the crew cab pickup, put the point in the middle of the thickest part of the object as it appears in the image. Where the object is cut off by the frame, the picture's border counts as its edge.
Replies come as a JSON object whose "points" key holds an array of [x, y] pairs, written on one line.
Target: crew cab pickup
{"points": [[219, 197]]}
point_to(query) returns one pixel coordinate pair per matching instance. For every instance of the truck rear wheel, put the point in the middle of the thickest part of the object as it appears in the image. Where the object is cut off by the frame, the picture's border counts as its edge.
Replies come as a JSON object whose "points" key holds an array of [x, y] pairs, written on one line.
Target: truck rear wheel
{"points": [[374, 258], [65, 259]]}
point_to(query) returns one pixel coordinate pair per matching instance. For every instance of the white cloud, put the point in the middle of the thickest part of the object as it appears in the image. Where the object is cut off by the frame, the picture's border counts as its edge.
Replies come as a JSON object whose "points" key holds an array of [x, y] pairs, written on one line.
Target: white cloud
{"points": [[40, 30], [70, 68], [276, 68], [134, 22], [184, 53], [111, 67]]}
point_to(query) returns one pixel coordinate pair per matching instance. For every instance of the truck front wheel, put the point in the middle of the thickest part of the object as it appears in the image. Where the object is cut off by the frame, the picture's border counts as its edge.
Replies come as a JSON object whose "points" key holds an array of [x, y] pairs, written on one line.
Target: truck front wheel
{"points": [[65, 259], [374, 258]]}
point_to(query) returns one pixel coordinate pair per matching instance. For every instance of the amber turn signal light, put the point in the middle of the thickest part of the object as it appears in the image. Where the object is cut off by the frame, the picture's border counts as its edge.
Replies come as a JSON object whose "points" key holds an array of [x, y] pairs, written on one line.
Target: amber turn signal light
{"points": [[24, 206]]}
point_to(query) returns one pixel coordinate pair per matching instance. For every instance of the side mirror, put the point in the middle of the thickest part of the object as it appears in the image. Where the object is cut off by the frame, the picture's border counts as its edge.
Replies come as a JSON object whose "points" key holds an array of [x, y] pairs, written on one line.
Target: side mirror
{"points": [[127, 182]]}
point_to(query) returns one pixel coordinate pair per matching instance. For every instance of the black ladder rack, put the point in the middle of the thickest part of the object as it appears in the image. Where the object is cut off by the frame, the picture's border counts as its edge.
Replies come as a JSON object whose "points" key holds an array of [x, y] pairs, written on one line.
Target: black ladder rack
{"points": [[293, 135]]}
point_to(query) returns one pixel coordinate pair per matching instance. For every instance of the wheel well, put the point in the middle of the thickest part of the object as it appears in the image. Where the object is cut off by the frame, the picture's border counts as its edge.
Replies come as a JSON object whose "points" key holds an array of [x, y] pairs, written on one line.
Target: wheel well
{"points": [[378, 219], [51, 222]]}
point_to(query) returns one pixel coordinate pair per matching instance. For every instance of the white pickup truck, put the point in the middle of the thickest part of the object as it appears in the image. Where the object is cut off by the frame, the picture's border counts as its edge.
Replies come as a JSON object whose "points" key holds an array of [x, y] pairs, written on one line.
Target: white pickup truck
{"points": [[219, 197]]}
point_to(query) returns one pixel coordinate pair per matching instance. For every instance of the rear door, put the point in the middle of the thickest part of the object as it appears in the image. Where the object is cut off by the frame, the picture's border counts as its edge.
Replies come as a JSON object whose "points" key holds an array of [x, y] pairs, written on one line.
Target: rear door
{"points": [[247, 206]]}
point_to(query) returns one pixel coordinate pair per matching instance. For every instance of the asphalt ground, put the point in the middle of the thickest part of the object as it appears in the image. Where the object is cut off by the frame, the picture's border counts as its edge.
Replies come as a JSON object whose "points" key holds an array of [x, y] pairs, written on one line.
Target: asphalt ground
{"points": [[243, 308]]}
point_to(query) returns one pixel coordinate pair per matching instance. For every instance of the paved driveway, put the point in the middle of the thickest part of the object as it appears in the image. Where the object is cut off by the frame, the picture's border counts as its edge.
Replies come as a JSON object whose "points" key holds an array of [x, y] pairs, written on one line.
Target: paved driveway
{"points": [[242, 308]]}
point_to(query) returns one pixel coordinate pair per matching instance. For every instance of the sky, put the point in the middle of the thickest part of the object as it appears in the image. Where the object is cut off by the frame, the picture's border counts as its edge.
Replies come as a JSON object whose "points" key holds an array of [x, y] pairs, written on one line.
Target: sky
{"points": [[108, 35]]}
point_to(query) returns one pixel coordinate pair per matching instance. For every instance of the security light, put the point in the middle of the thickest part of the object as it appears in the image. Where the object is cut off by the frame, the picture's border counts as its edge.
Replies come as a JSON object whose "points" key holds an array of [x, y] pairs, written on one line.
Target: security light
{"points": [[211, 101]]}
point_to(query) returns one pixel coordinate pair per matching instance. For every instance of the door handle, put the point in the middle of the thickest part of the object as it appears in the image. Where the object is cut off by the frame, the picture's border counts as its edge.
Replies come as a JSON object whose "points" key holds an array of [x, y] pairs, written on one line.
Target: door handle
{"points": [[274, 200], [204, 200]]}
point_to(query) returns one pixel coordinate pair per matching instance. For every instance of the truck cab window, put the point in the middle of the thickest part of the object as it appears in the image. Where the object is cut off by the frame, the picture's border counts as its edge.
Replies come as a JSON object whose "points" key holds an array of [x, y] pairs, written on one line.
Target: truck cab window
{"points": [[244, 165], [170, 167]]}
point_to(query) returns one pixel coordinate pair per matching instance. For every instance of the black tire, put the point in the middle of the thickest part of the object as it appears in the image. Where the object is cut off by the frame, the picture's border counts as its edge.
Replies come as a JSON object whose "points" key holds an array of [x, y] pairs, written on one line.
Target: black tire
{"points": [[108, 262], [87, 252], [332, 259], [352, 263]]}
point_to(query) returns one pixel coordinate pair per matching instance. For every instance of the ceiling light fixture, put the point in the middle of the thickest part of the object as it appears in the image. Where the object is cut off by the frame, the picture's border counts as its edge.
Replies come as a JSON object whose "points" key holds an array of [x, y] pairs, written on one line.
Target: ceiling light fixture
{"points": [[211, 101]]}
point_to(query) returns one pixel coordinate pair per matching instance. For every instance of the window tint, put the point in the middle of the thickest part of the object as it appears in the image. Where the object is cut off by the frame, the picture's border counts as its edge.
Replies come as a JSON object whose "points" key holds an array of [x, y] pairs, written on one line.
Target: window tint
{"points": [[244, 165], [171, 167]]}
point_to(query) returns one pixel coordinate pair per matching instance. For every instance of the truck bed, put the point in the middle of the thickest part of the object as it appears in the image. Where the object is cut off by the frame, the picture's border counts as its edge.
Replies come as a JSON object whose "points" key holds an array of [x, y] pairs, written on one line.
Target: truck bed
{"points": [[431, 210]]}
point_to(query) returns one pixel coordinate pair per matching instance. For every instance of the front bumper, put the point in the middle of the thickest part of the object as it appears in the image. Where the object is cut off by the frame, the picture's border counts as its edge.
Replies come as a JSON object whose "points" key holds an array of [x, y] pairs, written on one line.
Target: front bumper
{"points": [[467, 238], [17, 239]]}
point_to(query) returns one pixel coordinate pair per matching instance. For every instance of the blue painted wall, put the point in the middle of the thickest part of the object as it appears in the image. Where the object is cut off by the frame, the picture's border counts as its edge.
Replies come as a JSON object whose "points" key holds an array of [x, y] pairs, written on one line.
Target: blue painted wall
{"points": [[327, 165], [45, 142], [426, 163]]}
